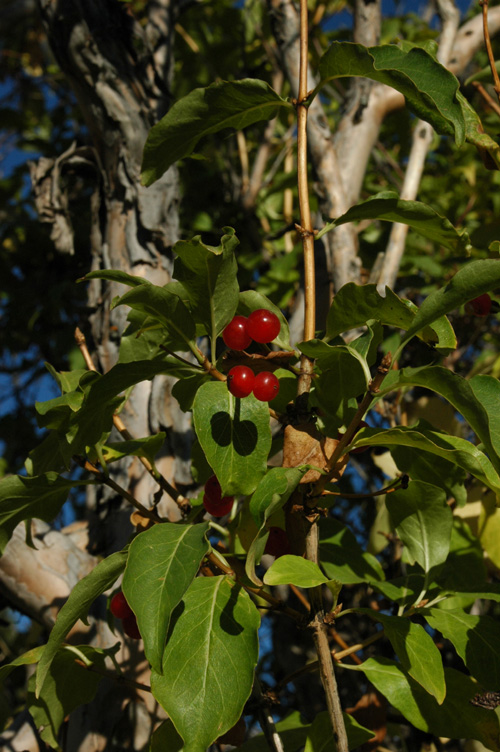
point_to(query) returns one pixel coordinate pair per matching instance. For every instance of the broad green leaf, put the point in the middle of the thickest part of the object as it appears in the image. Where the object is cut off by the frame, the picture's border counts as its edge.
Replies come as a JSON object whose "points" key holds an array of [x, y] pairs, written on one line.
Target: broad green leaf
{"points": [[417, 652], [271, 495], [26, 659], [235, 435], [464, 573], [209, 278], [403, 590], [186, 388], [273, 492], [294, 570], [56, 412], [67, 381], [429, 89], [209, 661], [472, 280], [421, 217], [66, 686], [452, 448], [166, 308], [474, 133], [423, 521], [475, 639], [41, 496], [166, 739], [479, 413], [115, 275], [432, 469], [455, 718], [342, 558], [85, 592], [354, 305], [345, 372], [162, 563], [486, 390], [321, 738], [251, 300], [225, 104], [489, 527], [147, 447]]}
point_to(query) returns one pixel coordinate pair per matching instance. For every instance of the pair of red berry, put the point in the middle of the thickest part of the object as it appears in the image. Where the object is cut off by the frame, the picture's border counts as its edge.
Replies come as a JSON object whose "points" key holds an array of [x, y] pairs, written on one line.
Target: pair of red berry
{"points": [[213, 501], [261, 326], [121, 610]]}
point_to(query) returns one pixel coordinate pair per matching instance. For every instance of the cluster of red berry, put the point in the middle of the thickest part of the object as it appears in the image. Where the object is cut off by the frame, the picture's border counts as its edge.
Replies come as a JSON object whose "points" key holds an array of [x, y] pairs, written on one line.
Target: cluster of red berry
{"points": [[261, 326], [121, 610]]}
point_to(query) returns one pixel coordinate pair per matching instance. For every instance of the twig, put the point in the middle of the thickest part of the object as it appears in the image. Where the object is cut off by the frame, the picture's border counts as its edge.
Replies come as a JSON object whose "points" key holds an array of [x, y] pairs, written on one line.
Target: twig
{"points": [[179, 499], [489, 50], [489, 100], [107, 481], [373, 388], [395, 485], [259, 592], [266, 720]]}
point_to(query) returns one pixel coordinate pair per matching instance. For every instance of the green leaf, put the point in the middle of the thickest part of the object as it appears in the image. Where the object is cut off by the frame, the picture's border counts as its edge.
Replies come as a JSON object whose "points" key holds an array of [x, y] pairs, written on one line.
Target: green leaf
{"points": [[209, 661], [474, 132], [354, 305], [273, 492], [345, 372], [479, 413], [209, 278], [486, 390], [294, 570], [321, 738], [22, 498], [421, 217], [85, 592], [67, 685], [452, 448], [342, 558], [26, 659], [464, 571], [251, 300], [163, 561], [147, 447], [56, 412], [270, 496], [474, 279], [165, 307], [475, 639], [455, 718], [115, 275], [417, 652], [429, 89], [166, 739], [423, 521], [225, 104], [432, 469], [292, 731], [235, 435], [403, 590]]}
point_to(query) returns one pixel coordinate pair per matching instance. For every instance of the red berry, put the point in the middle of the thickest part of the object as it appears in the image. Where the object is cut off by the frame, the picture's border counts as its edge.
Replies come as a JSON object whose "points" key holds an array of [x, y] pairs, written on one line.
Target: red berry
{"points": [[480, 306], [240, 381], [119, 607], [266, 386], [130, 627], [213, 501], [263, 326], [277, 543], [235, 334]]}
